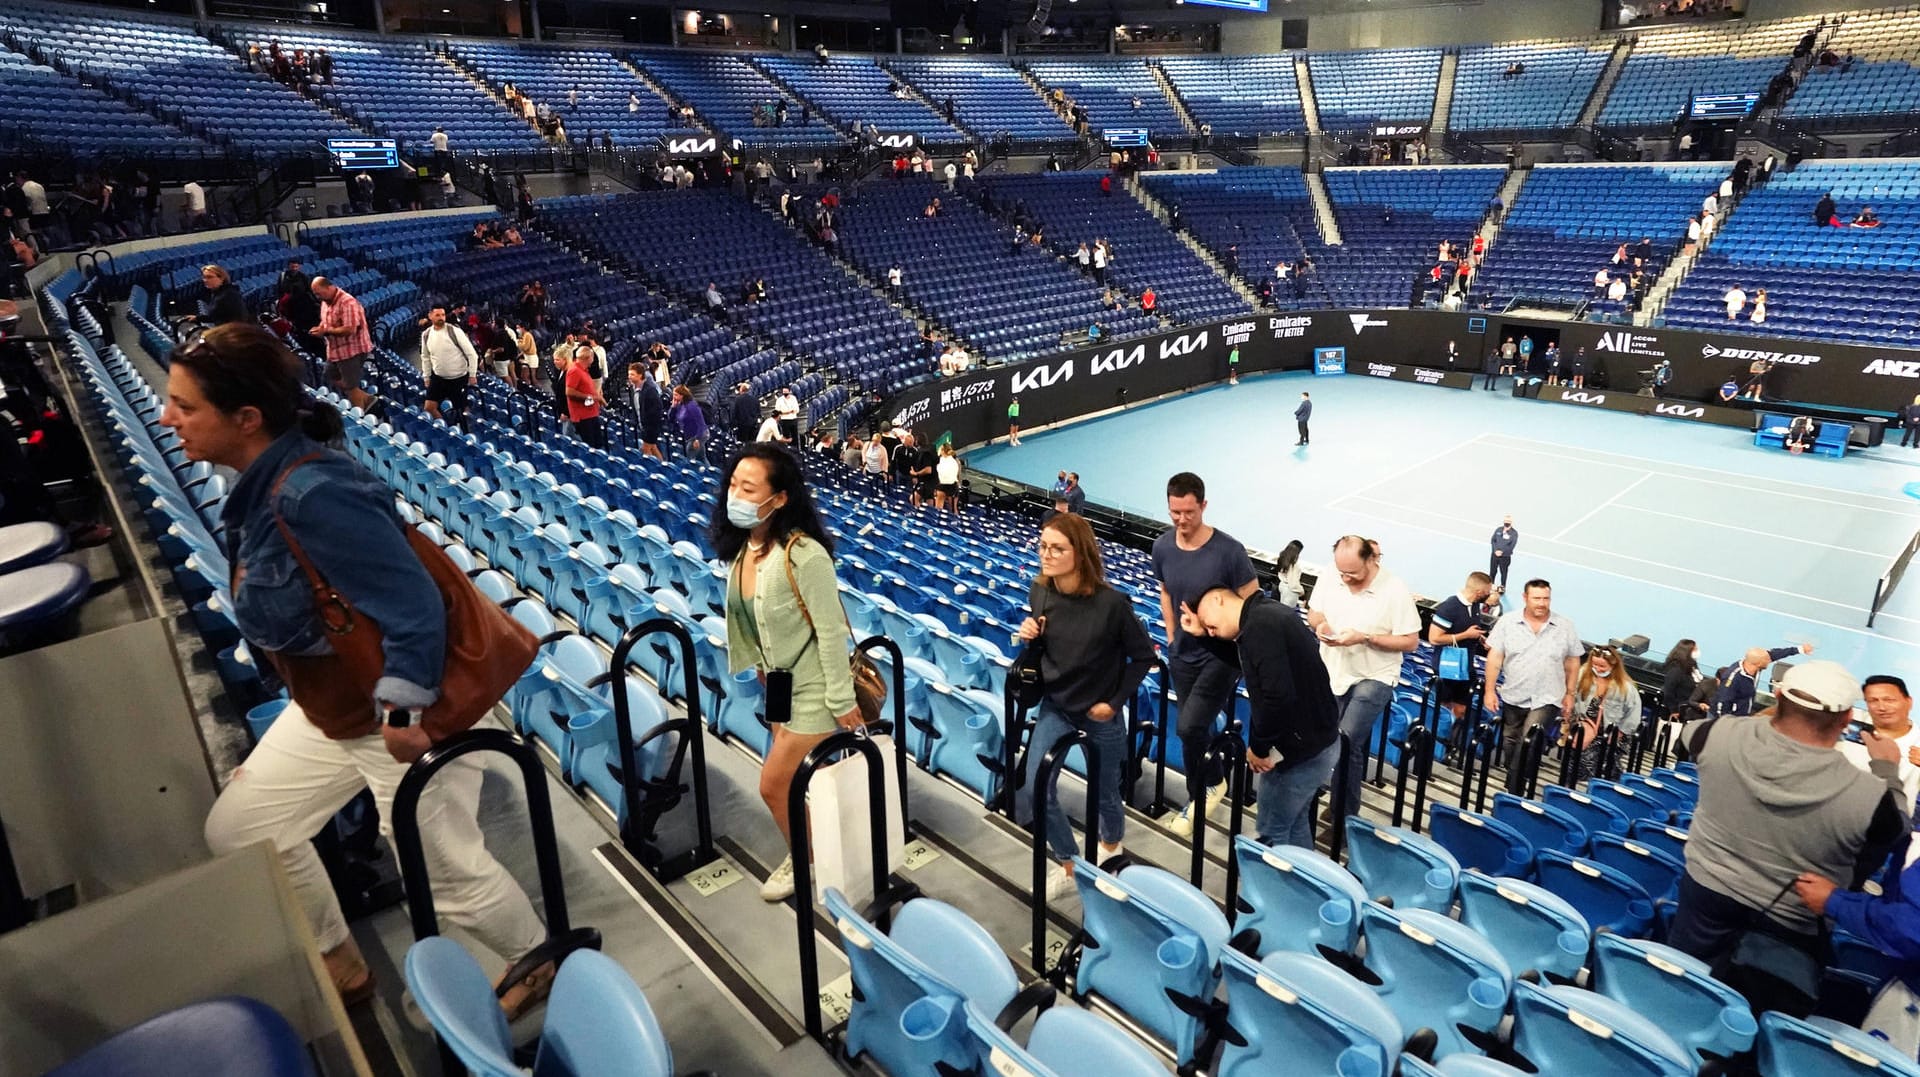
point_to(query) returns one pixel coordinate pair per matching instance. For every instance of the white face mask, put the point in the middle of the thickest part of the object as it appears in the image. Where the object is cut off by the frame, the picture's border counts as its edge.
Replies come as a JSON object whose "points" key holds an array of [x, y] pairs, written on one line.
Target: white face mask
{"points": [[1603, 673]]}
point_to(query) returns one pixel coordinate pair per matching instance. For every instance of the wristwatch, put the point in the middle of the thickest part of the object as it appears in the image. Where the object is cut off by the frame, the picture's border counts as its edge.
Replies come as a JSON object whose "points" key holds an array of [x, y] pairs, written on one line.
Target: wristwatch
{"points": [[399, 718]]}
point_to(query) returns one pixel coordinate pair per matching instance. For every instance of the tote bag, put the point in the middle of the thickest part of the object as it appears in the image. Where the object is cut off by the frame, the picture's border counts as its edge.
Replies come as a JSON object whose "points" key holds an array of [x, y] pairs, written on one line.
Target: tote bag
{"points": [[842, 824]]}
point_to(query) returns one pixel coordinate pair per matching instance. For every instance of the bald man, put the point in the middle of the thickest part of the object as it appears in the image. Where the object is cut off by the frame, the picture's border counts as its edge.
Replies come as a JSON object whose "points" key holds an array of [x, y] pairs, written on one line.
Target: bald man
{"points": [[1736, 696]]}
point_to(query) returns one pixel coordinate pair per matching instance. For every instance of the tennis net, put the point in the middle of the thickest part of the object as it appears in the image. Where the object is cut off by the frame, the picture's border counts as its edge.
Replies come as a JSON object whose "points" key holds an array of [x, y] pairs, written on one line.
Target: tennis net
{"points": [[1883, 588]]}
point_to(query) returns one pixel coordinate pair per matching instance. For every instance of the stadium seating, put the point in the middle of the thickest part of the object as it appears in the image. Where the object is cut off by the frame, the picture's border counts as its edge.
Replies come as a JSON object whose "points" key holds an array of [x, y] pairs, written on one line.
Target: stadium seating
{"points": [[1107, 89], [1557, 79], [1848, 284], [1073, 211], [1380, 258], [990, 98], [725, 90], [1880, 83], [1239, 95], [1355, 89], [685, 239], [1667, 65], [167, 65], [605, 89], [851, 91], [1264, 212], [1569, 219], [958, 269], [50, 108]]}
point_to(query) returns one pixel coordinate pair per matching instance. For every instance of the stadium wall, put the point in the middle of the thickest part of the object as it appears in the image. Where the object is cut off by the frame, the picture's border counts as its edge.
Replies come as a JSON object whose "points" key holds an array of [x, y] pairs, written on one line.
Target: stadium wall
{"points": [[1402, 345], [1470, 22]]}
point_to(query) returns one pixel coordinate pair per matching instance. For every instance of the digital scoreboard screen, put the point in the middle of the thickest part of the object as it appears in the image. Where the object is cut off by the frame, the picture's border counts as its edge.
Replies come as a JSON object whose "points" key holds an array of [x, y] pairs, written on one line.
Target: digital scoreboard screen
{"points": [[1236, 5], [1124, 137], [1722, 106], [354, 154]]}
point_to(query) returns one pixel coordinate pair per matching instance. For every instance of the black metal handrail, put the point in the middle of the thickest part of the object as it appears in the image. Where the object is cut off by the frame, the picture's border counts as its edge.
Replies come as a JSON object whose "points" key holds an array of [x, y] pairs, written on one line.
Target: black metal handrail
{"points": [[1416, 760], [1046, 780], [1014, 731], [634, 834], [1229, 749], [801, 849], [1337, 807]]}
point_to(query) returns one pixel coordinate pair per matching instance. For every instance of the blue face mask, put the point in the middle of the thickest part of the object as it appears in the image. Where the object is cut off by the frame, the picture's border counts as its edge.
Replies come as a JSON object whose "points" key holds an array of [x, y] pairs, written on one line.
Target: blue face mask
{"points": [[742, 513]]}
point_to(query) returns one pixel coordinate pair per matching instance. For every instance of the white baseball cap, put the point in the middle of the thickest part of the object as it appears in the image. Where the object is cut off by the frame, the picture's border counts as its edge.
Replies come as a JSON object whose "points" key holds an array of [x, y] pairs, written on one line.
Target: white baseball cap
{"points": [[1821, 686]]}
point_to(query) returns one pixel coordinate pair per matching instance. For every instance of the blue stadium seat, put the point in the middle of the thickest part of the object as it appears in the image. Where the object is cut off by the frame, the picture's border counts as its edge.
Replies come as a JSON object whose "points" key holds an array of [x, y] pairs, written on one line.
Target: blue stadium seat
{"points": [[1391, 862], [1436, 973], [1296, 1012], [1296, 899], [1533, 928], [1695, 1009], [1152, 939]]}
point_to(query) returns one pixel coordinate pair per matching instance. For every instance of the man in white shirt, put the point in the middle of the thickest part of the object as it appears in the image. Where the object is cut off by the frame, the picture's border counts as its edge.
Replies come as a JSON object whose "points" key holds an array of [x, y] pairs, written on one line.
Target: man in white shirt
{"points": [[1601, 278], [1710, 204], [1366, 623], [633, 102], [962, 362], [1617, 289], [38, 211], [770, 431], [1539, 652], [952, 173], [1736, 298], [196, 204], [450, 363], [894, 278], [1100, 263], [1891, 709], [786, 408]]}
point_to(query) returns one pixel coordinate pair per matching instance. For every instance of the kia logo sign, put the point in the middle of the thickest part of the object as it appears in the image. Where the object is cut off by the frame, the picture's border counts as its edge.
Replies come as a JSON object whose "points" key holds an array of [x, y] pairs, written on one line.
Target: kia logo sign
{"points": [[1190, 344], [897, 141], [1362, 321], [1893, 368], [1680, 411], [688, 147], [1584, 398], [1043, 377], [1118, 359]]}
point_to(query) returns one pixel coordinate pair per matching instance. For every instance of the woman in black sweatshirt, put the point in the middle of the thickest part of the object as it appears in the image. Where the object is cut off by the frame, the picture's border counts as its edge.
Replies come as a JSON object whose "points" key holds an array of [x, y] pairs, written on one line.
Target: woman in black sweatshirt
{"points": [[1096, 654]]}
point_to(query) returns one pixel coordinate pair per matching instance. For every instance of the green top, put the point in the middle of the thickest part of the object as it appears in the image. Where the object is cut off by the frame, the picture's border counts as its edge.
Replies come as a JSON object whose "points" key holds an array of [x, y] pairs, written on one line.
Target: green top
{"points": [[1013, 410], [768, 631]]}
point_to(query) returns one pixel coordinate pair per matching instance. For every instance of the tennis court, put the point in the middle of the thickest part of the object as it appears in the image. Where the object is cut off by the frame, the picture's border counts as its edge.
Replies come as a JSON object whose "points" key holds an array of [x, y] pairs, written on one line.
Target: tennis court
{"points": [[1735, 547]]}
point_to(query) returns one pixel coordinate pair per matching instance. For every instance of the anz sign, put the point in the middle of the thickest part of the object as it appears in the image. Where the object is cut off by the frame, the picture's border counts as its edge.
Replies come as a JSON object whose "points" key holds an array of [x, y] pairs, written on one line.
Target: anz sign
{"points": [[1043, 377], [1117, 359], [1189, 344]]}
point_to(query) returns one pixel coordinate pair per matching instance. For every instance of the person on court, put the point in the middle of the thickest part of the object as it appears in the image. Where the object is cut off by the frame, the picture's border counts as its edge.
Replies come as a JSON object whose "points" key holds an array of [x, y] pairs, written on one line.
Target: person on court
{"points": [[1300, 416], [1189, 560], [1910, 425], [1505, 538]]}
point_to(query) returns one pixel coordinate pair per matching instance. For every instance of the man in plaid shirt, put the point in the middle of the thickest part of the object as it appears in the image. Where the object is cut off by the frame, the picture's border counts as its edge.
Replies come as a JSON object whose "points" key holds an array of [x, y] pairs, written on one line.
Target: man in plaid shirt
{"points": [[343, 324]]}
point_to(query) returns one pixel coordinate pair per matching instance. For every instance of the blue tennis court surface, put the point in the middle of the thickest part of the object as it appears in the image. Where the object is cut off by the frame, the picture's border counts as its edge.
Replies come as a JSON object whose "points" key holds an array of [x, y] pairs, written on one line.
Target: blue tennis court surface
{"points": [[1642, 525]]}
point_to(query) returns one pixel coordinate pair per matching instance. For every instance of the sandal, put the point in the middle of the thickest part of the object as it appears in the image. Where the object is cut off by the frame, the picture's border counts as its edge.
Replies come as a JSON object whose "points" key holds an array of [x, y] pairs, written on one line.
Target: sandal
{"points": [[352, 980]]}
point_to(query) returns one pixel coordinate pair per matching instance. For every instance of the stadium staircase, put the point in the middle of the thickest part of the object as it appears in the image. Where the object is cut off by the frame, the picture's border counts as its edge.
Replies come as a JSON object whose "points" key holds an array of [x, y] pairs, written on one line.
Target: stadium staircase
{"points": [[1323, 209], [1443, 98], [700, 124], [1173, 95], [917, 94], [767, 72], [1604, 85], [1676, 272], [1155, 207], [1307, 102], [447, 57]]}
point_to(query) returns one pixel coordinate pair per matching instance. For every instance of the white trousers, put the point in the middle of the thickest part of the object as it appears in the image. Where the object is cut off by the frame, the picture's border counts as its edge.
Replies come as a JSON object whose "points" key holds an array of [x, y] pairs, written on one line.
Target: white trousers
{"points": [[296, 779]]}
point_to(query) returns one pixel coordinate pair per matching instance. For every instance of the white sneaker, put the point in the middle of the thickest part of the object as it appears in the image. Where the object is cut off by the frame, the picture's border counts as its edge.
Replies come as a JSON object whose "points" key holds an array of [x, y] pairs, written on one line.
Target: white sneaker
{"points": [[1181, 823], [779, 885], [1108, 852], [1217, 796], [1060, 885]]}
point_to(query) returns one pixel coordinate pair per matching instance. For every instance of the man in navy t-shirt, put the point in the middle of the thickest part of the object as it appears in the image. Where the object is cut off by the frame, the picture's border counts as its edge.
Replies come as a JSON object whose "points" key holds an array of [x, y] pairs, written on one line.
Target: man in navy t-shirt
{"points": [[1456, 623], [1190, 560]]}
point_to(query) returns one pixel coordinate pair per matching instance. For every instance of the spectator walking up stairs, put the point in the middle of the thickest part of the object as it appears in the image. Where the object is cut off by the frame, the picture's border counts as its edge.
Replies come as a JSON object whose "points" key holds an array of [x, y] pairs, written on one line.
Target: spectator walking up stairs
{"points": [[1677, 269], [1060, 109], [1323, 209], [1308, 103], [447, 57], [1154, 206], [1509, 190], [700, 125], [1179, 105], [1590, 114], [818, 114]]}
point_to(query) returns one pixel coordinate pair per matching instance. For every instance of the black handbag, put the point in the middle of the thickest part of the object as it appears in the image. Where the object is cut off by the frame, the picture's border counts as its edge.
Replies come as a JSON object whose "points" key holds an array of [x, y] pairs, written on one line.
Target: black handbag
{"points": [[1028, 683]]}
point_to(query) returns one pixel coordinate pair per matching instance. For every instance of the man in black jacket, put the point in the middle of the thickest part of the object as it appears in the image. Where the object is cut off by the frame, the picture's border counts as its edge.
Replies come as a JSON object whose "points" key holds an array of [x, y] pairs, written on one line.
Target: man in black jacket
{"points": [[744, 413], [1910, 423], [1293, 731]]}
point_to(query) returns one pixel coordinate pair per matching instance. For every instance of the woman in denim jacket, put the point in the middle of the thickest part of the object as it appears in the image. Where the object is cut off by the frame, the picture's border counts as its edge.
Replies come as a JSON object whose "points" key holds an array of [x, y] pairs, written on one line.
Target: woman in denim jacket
{"points": [[234, 398]]}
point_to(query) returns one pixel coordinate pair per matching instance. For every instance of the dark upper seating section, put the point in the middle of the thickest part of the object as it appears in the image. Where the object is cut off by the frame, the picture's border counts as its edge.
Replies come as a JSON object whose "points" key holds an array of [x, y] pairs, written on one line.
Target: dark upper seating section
{"points": [[1239, 95], [1265, 213], [990, 98], [1073, 211], [725, 91], [1354, 89], [51, 109], [853, 91], [1115, 93], [607, 95], [1383, 253], [1878, 86], [1555, 81]]}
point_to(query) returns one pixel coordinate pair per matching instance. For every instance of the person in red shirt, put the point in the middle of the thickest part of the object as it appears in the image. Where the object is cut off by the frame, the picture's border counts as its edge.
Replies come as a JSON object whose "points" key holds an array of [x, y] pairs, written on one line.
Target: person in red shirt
{"points": [[1106, 184], [1147, 299], [584, 400]]}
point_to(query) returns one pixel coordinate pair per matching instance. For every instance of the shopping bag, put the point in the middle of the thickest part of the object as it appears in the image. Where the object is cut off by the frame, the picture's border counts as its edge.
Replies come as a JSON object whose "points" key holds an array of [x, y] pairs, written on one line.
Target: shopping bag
{"points": [[1895, 1017], [1455, 664], [842, 828]]}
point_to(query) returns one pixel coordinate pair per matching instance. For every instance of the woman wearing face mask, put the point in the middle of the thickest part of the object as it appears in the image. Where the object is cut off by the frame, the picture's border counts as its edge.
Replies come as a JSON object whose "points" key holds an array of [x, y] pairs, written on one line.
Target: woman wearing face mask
{"points": [[1680, 673], [783, 618], [1604, 695], [1097, 653]]}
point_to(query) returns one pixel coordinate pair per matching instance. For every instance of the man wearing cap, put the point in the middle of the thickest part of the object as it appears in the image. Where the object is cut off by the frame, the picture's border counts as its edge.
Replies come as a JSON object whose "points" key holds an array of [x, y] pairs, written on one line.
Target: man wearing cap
{"points": [[744, 416], [1776, 802], [1736, 694]]}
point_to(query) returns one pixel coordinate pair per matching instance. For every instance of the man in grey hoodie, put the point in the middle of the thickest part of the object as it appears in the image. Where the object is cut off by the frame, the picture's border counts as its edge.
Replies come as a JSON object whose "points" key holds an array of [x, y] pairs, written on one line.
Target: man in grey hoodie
{"points": [[1777, 800]]}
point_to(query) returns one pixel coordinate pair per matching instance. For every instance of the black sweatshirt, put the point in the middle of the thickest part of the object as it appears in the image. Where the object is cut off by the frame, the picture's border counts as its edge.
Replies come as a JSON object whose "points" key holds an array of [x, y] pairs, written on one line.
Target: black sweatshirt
{"points": [[1097, 651], [1293, 705]]}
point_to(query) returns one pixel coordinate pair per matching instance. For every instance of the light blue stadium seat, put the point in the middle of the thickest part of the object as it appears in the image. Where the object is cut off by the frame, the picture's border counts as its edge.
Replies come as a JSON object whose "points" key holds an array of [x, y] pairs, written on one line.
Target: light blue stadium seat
{"points": [[1544, 826], [1294, 1012], [1790, 1047], [1152, 938], [1533, 928], [1594, 814], [969, 737], [1296, 899], [1607, 897], [1480, 841], [1657, 872], [1701, 1013], [1063, 1042], [1392, 862], [1436, 973], [1567, 1031]]}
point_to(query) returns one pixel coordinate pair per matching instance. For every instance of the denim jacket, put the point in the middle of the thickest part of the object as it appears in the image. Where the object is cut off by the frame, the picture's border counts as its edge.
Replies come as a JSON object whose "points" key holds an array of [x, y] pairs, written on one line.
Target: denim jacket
{"points": [[346, 522]]}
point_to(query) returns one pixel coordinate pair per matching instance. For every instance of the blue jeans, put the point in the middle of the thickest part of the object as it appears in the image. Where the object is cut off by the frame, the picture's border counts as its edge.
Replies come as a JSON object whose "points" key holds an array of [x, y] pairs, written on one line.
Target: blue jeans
{"points": [[1361, 706], [1110, 739], [1286, 799]]}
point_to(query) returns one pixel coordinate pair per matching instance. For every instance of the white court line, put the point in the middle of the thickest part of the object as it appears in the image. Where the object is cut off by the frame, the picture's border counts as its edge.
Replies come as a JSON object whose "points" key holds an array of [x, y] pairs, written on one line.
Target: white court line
{"points": [[1755, 531], [1415, 466], [1667, 586], [1646, 561], [1588, 515], [1746, 483]]}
